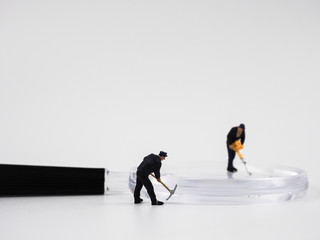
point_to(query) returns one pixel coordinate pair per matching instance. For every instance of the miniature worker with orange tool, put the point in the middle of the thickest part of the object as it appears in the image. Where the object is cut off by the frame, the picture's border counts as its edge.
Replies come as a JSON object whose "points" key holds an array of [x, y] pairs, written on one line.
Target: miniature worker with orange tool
{"points": [[234, 134]]}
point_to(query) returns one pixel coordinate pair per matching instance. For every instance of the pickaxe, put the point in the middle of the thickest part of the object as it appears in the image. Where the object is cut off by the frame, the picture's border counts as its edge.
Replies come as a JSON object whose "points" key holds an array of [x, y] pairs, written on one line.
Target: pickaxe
{"points": [[170, 191]]}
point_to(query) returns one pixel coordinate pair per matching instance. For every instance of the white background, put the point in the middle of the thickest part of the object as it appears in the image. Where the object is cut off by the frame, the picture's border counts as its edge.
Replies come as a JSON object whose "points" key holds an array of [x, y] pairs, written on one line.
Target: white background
{"points": [[104, 83]]}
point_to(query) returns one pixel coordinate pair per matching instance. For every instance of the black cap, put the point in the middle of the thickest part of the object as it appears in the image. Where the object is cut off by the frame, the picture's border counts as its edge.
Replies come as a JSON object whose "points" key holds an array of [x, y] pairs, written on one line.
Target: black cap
{"points": [[163, 154], [242, 126]]}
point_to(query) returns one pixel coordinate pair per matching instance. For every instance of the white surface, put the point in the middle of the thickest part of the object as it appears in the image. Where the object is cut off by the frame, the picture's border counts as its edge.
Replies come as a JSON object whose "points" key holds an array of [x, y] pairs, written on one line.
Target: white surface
{"points": [[105, 217], [104, 83]]}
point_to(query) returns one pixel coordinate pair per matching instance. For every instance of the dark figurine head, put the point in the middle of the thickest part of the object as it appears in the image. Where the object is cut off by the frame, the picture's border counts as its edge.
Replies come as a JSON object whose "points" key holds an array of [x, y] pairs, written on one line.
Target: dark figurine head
{"points": [[240, 129], [163, 155]]}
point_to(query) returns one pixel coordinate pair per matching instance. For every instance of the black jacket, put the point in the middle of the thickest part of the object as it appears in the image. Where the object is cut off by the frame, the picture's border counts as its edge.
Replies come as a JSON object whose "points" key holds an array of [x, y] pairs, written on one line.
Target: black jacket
{"points": [[232, 136], [150, 164]]}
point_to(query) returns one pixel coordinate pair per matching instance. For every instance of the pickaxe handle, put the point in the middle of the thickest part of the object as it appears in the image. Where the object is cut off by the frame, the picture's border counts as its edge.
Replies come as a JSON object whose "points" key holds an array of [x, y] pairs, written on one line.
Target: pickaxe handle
{"points": [[161, 182]]}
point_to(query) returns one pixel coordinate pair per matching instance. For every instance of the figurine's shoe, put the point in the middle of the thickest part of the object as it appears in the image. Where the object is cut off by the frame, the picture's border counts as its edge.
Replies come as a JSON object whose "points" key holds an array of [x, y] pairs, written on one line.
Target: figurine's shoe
{"points": [[136, 201], [157, 203], [232, 169]]}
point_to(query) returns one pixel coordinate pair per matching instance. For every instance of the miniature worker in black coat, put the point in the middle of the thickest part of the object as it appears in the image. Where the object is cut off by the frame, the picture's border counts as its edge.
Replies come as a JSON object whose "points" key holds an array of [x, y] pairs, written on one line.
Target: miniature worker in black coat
{"points": [[234, 134], [150, 164]]}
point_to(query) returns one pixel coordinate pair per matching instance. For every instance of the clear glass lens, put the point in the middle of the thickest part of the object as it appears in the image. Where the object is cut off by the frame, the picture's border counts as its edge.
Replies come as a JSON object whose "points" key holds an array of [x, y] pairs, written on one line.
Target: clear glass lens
{"points": [[210, 183]]}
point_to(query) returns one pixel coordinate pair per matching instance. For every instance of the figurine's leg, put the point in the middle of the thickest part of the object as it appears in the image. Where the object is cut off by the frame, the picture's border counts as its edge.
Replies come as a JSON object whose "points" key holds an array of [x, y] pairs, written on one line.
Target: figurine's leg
{"points": [[231, 155], [137, 190], [148, 185]]}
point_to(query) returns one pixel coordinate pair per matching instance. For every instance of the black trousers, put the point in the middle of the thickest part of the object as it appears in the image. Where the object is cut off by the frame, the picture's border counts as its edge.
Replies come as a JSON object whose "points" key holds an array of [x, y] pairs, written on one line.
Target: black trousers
{"points": [[143, 180], [231, 155]]}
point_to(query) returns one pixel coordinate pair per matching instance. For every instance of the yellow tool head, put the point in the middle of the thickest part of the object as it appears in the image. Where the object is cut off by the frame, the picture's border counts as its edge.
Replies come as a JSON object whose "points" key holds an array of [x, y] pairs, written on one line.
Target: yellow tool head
{"points": [[237, 145]]}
